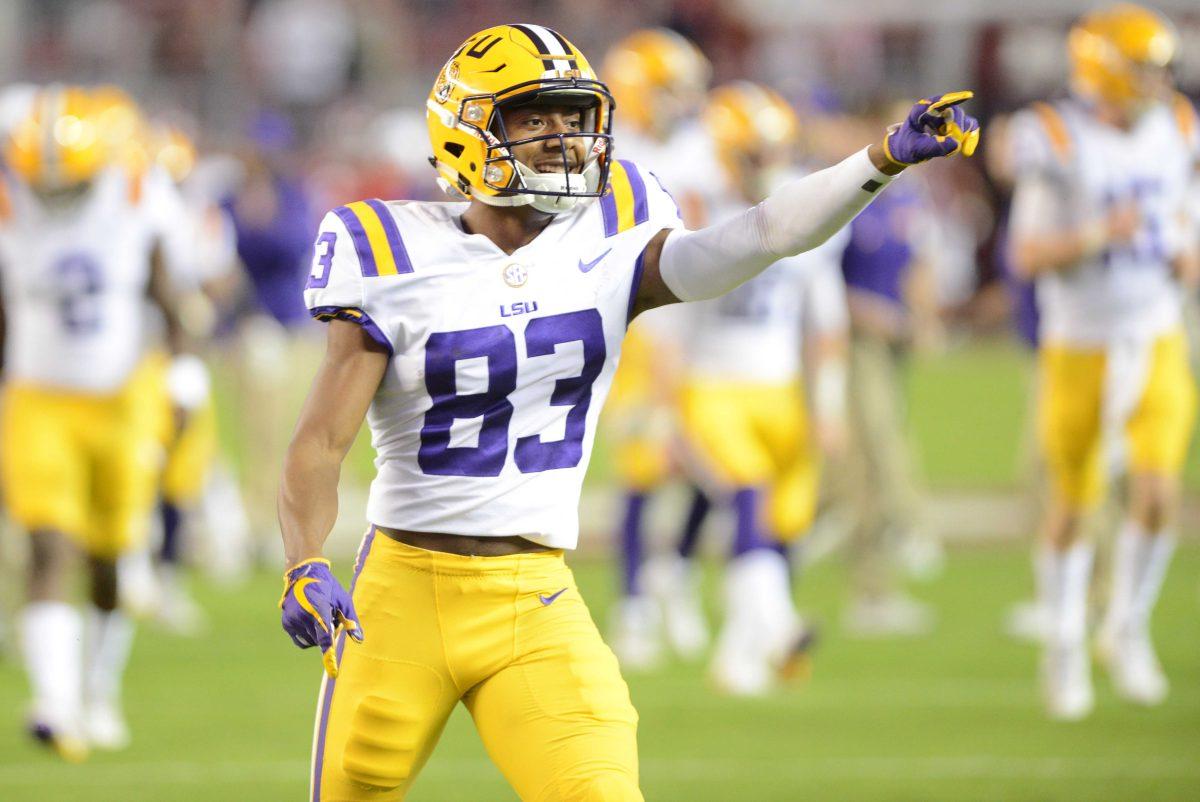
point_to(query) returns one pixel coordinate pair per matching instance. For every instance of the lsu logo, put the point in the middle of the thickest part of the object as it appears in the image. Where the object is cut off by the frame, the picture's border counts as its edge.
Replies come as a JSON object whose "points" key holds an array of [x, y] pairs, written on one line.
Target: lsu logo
{"points": [[518, 308]]}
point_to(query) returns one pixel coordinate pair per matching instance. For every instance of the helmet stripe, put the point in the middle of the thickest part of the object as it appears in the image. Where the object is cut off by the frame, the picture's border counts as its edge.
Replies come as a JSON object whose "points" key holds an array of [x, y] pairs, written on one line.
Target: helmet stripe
{"points": [[550, 48]]}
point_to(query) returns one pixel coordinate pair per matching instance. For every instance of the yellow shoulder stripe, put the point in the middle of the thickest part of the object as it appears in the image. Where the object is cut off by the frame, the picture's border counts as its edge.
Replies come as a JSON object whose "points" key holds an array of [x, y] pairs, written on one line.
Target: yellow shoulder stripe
{"points": [[1185, 116], [1056, 129]]}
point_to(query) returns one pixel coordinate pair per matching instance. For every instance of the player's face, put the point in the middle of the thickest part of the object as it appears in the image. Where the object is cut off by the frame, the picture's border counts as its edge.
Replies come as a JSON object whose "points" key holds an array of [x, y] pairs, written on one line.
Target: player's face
{"points": [[547, 155]]}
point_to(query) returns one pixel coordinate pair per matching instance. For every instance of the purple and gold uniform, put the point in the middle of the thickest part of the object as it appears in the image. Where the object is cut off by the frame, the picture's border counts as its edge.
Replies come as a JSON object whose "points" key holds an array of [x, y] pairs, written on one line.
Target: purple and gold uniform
{"points": [[483, 426], [78, 455], [1113, 358]]}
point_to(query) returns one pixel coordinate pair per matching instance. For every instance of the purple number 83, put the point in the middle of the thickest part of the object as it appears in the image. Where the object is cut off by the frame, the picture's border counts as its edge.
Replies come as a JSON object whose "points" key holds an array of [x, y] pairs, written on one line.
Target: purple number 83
{"points": [[497, 344]]}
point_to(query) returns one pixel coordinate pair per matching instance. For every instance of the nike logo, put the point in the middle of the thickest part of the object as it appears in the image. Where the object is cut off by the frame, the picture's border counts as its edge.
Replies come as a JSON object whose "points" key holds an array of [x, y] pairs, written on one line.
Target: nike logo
{"points": [[585, 267], [548, 600]]}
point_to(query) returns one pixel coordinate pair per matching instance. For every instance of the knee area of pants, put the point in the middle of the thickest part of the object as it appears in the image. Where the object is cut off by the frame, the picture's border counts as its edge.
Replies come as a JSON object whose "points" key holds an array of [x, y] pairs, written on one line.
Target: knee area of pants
{"points": [[605, 786]]}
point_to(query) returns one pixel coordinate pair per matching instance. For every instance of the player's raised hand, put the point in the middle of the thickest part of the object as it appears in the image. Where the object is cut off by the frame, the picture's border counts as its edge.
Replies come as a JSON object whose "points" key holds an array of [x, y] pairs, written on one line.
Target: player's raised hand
{"points": [[936, 126], [314, 604]]}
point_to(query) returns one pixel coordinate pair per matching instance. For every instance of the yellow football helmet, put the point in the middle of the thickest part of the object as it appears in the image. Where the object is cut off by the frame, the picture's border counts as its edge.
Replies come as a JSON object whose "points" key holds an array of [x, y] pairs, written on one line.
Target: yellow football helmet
{"points": [[121, 126], [754, 131], [657, 77], [58, 146], [508, 66], [1119, 54]]}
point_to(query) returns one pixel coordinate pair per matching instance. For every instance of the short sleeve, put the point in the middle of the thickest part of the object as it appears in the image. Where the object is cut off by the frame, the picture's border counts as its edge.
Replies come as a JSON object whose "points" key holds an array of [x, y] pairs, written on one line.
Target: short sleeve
{"points": [[335, 288]]}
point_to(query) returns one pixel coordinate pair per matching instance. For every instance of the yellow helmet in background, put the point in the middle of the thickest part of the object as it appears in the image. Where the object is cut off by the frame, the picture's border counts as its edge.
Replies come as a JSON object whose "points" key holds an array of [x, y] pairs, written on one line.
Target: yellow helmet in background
{"points": [[753, 129], [657, 77], [122, 126], [59, 145], [1119, 54], [514, 65]]}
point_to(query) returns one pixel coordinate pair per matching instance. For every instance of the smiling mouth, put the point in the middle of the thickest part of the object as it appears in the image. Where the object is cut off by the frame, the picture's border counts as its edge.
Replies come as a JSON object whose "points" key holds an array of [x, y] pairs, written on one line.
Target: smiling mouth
{"points": [[555, 167]]}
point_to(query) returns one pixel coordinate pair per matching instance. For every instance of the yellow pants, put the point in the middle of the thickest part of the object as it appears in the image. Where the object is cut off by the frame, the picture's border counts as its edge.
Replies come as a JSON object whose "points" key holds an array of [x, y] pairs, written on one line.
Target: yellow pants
{"points": [[757, 435], [638, 417], [190, 450], [512, 640], [80, 464], [1070, 421]]}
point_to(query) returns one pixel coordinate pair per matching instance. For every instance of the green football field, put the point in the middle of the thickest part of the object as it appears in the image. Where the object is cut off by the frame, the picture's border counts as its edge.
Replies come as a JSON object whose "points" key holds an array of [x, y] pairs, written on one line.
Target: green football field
{"points": [[950, 716]]}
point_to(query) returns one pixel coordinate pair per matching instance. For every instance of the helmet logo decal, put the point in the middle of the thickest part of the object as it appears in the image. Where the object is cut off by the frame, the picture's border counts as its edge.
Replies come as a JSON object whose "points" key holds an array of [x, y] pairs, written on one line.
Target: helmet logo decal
{"points": [[446, 84], [515, 275], [483, 46]]}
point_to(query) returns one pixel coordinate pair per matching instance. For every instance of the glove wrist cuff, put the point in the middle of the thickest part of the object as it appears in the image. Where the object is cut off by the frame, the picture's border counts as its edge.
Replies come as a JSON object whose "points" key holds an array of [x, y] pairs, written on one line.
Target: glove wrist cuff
{"points": [[287, 575]]}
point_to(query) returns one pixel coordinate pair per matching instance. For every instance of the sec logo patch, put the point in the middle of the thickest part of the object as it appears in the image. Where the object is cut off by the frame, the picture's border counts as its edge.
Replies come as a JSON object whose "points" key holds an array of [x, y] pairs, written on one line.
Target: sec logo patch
{"points": [[515, 275]]}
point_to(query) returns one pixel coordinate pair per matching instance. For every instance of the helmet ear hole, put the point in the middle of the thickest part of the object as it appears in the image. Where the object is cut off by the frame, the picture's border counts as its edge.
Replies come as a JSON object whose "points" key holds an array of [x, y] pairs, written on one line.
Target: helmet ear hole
{"points": [[453, 148]]}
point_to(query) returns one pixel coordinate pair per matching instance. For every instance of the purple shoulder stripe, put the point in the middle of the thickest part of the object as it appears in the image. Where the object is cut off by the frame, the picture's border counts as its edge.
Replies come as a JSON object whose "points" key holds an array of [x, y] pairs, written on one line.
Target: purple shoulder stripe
{"points": [[353, 315], [362, 246], [641, 209], [399, 252], [608, 208]]}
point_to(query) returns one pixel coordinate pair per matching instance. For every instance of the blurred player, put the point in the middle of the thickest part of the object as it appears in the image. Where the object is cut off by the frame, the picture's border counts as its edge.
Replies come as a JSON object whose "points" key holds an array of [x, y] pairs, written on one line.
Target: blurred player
{"points": [[202, 254], [658, 79], [1098, 218], [744, 407], [480, 339], [81, 261]]}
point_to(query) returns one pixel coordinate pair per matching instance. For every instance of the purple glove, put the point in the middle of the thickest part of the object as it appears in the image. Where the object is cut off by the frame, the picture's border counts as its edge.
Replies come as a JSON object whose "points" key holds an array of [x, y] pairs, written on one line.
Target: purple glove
{"points": [[314, 604], [936, 126]]}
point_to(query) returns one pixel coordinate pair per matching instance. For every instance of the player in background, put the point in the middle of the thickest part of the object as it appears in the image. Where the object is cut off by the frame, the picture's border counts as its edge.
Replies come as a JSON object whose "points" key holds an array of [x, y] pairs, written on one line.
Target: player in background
{"points": [[201, 249], [1099, 219], [888, 268], [658, 79], [751, 427], [480, 340], [16, 100], [81, 262]]}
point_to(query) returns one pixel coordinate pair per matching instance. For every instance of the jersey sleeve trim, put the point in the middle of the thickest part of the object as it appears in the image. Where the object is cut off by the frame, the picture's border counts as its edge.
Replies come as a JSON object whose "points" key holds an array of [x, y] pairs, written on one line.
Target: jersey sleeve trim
{"points": [[635, 285], [353, 315], [376, 238], [624, 205]]}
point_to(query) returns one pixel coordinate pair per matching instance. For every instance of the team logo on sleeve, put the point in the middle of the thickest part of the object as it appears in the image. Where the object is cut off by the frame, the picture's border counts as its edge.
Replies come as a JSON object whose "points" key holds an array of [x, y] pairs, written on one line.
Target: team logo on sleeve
{"points": [[515, 275]]}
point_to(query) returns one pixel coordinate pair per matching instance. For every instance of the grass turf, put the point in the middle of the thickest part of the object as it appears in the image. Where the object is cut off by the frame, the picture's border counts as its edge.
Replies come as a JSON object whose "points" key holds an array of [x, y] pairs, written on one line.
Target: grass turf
{"points": [[950, 716]]}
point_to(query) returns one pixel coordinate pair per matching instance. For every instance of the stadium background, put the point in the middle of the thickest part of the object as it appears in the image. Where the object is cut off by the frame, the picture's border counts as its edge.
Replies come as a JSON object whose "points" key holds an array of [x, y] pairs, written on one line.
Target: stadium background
{"points": [[327, 93]]}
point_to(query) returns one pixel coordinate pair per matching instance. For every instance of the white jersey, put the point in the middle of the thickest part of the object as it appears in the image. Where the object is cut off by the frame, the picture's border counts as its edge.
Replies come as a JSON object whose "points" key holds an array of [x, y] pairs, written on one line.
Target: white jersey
{"points": [[686, 165], [754, 334], [483, 424], [1094, 168], [75, 284]]}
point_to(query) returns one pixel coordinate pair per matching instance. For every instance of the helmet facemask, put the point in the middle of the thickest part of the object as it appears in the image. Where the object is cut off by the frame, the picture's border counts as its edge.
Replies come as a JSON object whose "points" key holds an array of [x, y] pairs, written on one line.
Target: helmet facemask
{"points": [[584, 155]]}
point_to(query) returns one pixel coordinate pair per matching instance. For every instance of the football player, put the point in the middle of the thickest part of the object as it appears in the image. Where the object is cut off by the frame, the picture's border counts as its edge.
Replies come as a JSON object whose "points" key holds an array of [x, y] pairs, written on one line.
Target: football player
{"points": [[658, 79], [1099, 220], [200, 244], [82, 263], [480, 338], [743, 403]]}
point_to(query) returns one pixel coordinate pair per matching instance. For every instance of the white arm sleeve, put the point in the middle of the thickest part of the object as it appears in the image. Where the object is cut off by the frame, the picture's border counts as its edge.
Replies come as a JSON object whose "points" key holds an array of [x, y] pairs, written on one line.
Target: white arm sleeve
{"points": [[800, 215]]}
